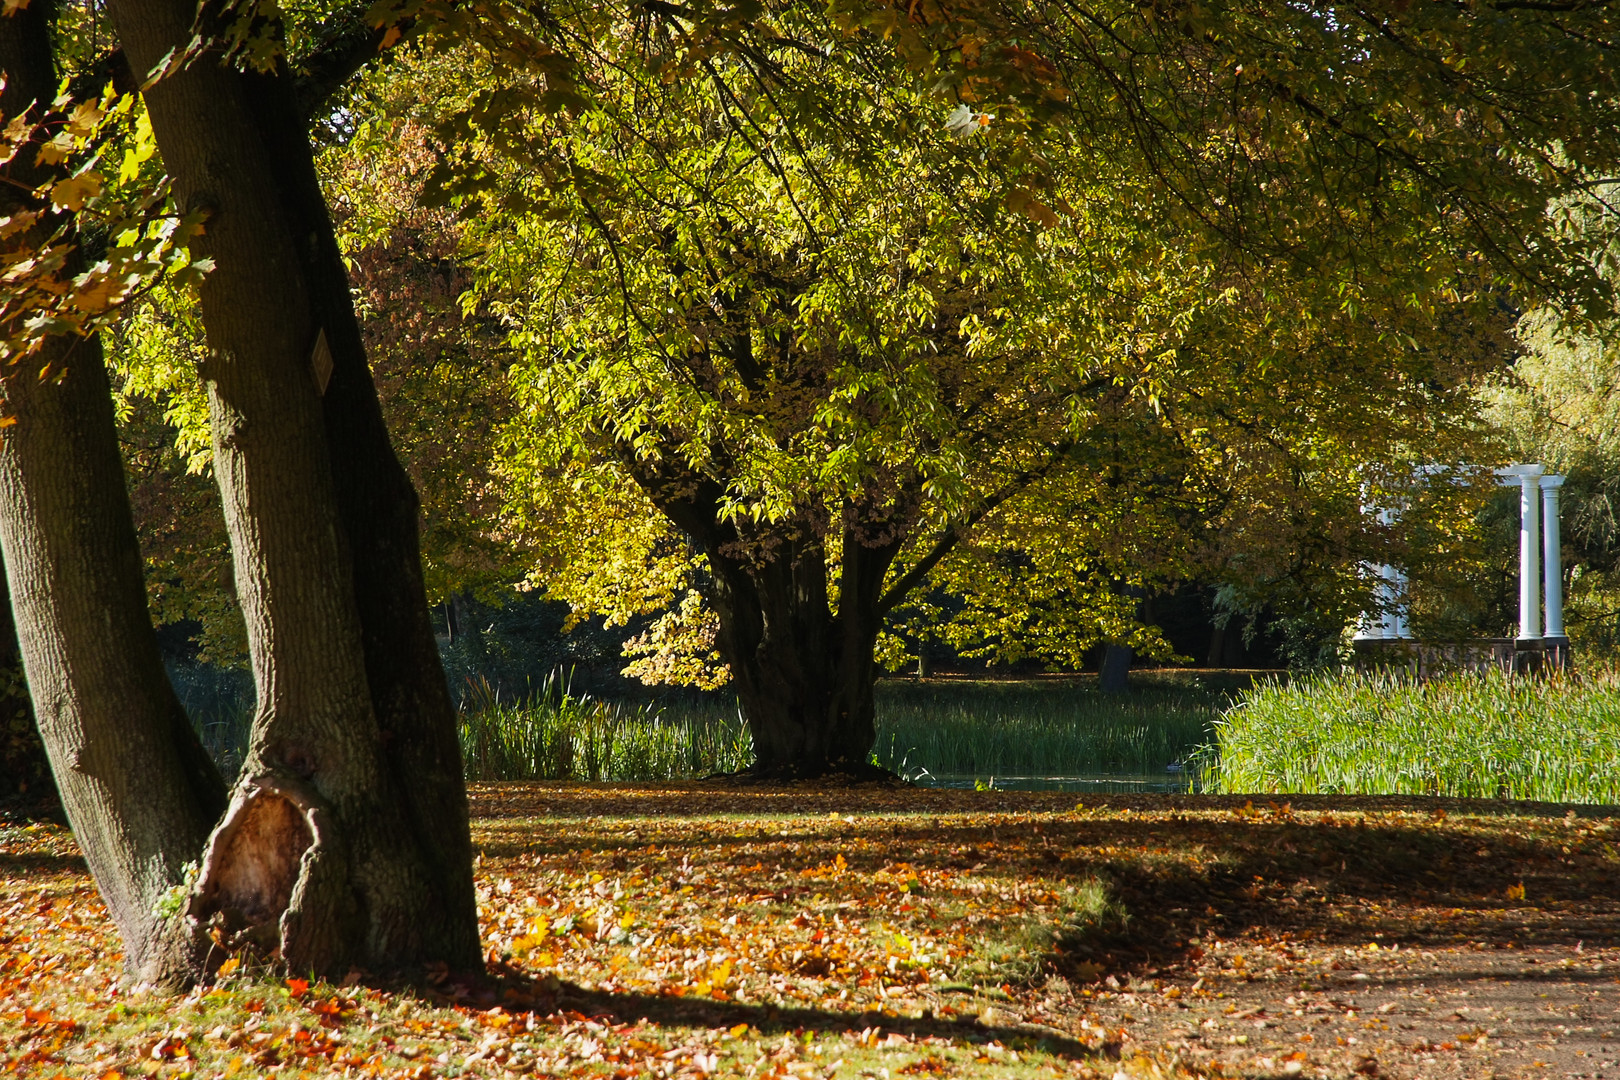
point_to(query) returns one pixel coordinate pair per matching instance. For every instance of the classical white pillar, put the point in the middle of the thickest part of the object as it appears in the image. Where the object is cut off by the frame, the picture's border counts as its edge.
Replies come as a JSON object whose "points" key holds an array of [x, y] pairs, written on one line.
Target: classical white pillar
{"points": [[1528, 477], [1399, 627], [1552, 555]]}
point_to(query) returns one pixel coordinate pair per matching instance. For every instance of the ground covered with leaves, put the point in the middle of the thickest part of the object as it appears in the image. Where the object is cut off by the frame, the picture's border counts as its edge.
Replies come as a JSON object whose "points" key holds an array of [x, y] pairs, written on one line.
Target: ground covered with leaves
{"points": [[697, 930]]}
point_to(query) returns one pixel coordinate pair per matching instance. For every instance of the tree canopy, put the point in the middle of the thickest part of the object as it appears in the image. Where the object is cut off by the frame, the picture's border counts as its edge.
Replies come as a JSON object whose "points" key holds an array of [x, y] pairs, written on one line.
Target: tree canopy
{"points": [[778, 289]]}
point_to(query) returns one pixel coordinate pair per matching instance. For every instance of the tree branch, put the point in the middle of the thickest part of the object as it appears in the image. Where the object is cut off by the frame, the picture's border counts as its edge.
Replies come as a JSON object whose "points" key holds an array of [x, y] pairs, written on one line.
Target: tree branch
{"points": [[953, 533], [347, 49]]}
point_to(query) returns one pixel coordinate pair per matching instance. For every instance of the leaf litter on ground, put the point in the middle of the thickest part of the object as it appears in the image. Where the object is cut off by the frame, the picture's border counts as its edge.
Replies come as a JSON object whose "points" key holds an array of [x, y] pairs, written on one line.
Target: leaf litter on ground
{"points": [[702, 930]]}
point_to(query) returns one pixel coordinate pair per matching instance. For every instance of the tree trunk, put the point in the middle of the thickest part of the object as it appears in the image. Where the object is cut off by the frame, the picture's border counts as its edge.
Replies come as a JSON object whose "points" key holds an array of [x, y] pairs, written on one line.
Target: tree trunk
{"points": [[139, 790], [1114, 675], [346, 840], [25, 771], [379, 515], [804, 675]]}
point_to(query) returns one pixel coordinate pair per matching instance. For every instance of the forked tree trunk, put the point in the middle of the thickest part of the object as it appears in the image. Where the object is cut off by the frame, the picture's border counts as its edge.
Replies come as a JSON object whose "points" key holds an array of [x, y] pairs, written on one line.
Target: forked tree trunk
{"points": [[139, 790], [804, 674], [333, 852]]}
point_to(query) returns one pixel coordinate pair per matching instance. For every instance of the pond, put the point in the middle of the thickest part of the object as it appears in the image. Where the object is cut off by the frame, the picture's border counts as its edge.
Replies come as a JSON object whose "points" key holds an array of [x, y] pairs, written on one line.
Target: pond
{"points": [[1100, 784]]}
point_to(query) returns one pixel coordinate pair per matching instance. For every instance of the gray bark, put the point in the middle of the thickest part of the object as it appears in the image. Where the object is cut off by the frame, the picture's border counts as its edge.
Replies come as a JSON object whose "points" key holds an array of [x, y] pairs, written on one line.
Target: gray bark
{"points": [[1114, 676], [137, 786], [326, 855]]}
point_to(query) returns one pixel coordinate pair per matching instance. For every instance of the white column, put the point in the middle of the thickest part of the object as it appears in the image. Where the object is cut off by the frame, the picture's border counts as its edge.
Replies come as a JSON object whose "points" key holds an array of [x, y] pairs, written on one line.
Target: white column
{"points": [[1397, 588], [1374, 626], [1552, 552], [1527, 477]]}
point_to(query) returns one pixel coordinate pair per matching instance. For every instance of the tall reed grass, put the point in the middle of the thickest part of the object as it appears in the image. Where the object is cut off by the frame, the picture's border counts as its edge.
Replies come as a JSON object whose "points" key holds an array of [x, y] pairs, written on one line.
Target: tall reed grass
{"points": [[557, 734], [977, 729], [1464, 735], [1038, 728]]}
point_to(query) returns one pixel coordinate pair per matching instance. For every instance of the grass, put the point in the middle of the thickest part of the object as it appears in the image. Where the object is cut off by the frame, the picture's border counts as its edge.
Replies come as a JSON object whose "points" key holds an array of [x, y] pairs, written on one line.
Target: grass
{"points": [[1040, 728], [557, 734], [957, 728], [1463, 735]]}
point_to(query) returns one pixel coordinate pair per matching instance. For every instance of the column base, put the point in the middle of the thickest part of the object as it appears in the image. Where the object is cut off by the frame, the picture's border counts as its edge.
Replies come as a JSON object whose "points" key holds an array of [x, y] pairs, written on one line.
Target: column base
{"points": [[1528, 656], [1555, 653]]}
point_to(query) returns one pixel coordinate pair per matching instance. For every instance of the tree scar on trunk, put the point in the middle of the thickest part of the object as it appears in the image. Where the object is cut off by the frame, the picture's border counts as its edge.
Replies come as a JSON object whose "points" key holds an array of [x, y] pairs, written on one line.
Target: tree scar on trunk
{"points": [[260, 863]]}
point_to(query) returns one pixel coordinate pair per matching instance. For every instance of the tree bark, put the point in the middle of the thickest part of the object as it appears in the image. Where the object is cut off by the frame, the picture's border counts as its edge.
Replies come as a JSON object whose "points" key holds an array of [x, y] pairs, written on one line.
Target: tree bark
{"points": [[804, 674], [1114, 675], [346, 840], [379, 515], [139, 789], [25, 771]]}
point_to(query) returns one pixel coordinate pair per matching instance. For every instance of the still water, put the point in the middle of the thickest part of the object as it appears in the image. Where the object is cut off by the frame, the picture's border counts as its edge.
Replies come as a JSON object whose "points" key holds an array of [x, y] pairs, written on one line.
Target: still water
{"points": [[1102, 783]]}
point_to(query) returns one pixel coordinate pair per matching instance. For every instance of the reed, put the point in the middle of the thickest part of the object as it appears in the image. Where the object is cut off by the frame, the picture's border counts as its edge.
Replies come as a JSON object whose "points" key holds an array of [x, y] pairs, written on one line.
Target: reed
{"points": [[980, 729], [1033, 728], [1467, 735], [557, 734]]}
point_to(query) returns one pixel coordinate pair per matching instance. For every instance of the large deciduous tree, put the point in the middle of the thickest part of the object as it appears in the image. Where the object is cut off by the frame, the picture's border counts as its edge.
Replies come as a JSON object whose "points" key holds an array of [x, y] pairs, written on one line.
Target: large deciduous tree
{"points": [[137, 786], [345, 840], [847, 339]]}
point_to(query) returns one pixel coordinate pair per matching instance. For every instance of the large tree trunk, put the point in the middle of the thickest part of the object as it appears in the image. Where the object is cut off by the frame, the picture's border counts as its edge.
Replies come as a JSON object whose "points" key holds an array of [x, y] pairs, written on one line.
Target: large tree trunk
{"points": [[804, 674], [328, 854], [379, 513], [139, 790]]}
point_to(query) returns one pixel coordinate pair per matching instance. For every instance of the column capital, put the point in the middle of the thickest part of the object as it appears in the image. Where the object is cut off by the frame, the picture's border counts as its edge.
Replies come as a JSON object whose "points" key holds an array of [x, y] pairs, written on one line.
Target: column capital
{"points": [[1552, 481], [1519, 474]]}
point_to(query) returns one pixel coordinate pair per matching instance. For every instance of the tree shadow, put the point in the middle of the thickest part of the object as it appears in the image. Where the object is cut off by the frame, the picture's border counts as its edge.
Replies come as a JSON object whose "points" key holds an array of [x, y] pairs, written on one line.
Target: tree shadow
{"points": [[1261, 873], [520, 992]]}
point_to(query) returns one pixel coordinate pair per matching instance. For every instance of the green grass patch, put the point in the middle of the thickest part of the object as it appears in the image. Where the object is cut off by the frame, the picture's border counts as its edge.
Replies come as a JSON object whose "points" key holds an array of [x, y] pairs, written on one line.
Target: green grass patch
{"points": [[1020, 951], [1041, 727], [1463, 735], [977, 728], [557, 734]]}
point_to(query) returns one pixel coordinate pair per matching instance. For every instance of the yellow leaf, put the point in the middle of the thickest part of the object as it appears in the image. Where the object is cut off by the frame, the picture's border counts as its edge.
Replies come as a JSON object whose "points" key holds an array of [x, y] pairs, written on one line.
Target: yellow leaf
{"points": [[84, 119], [390, 36], [14, 6], [56, 151], [229, 966], [70, 194], [145, 146], [738, 1031]]}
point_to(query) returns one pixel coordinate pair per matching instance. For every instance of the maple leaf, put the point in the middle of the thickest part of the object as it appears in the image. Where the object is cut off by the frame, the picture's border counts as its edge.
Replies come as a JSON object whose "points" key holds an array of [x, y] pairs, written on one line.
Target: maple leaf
{"points": [[71, 194]]}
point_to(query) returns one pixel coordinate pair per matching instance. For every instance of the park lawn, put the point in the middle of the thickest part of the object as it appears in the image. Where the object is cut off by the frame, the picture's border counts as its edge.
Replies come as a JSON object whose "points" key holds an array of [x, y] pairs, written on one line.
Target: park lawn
{"points": [[694, 930]]}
